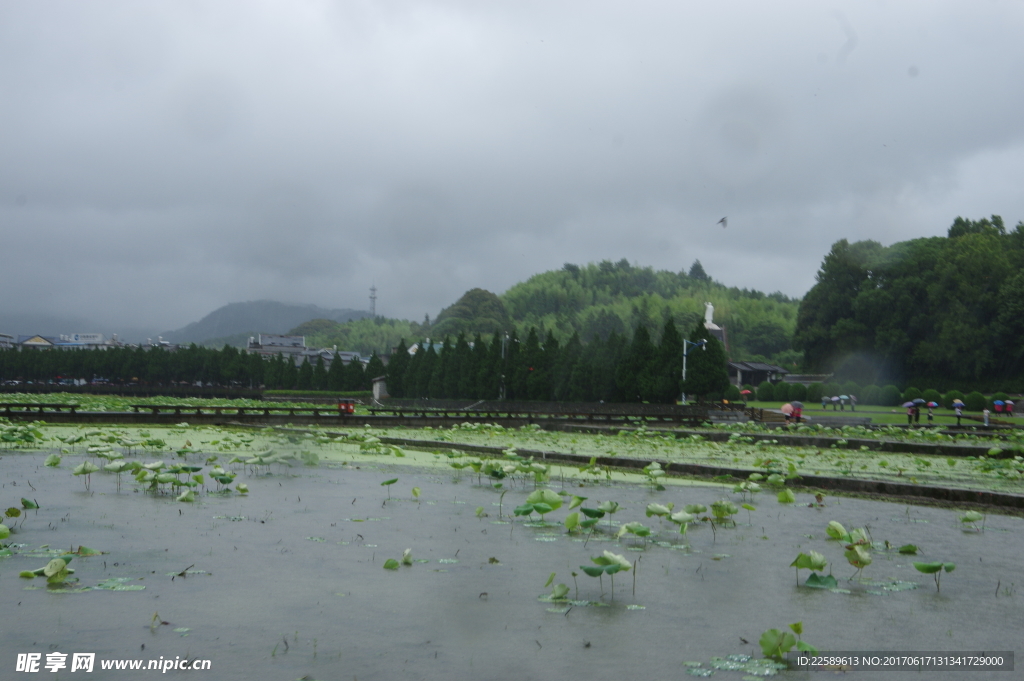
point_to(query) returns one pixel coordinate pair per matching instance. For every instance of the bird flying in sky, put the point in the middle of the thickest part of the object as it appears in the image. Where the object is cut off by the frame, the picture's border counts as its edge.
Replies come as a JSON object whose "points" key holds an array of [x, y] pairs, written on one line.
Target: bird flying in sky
{"points": [[724, 222]]}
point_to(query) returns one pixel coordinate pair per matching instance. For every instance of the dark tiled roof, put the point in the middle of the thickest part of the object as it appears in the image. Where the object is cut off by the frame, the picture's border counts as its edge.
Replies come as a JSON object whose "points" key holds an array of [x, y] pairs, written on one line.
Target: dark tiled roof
{"points": [[758, 366]]}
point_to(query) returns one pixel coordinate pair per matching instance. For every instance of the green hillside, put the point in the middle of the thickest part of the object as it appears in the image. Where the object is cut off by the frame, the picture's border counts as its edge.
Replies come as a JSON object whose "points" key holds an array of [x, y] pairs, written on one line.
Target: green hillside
{"points": [[592, 300]]}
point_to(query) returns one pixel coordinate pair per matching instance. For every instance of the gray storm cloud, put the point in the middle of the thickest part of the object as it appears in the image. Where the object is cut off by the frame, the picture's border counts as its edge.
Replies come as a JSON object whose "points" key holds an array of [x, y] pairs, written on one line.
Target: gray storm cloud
{"points": [[161, 160]]}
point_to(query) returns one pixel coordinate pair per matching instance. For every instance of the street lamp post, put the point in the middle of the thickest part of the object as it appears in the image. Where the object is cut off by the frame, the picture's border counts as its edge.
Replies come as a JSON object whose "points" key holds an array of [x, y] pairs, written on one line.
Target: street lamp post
{"points": [[703, 343]]}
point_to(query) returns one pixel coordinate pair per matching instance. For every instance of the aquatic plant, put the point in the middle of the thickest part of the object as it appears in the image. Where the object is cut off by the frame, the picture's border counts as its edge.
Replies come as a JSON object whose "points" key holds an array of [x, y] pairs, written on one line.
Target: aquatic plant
{"points": [[812, 561], [972, 518], [723, 510], [607, 563], [775, 643], [935, 570], [87, 469], [388, 483], [541, 501]]}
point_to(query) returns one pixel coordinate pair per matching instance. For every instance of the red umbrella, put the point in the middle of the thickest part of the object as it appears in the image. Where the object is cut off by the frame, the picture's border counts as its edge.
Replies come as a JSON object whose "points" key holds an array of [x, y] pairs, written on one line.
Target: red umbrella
{"points": [[786, 409], [746, 392]]}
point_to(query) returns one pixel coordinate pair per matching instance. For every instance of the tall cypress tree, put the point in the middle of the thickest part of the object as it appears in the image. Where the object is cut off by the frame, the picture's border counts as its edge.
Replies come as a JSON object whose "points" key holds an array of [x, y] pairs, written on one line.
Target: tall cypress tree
{"points": [[304, 380], [707, 371], [397, 365], [336, 374], [667, 372], [319, 381]]}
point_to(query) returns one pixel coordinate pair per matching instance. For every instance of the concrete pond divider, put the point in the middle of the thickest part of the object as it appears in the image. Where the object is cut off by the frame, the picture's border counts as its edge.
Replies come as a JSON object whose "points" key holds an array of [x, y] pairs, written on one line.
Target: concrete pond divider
{"points": [[879, 488]]}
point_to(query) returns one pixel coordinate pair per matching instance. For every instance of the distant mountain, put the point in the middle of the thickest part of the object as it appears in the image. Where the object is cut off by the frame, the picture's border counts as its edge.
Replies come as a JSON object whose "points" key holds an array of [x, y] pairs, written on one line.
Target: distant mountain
{"points": [[235, 322]]}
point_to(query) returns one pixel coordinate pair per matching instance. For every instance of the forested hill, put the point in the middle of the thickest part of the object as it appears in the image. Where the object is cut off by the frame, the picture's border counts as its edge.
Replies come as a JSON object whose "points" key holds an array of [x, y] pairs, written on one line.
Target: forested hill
{"points": [[593, 300], [943, 312], [596, 299]]}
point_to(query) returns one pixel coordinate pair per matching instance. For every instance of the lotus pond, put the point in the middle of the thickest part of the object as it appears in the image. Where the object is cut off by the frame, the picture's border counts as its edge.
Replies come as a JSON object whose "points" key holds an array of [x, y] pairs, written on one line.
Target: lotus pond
{"points": [[278, 554]]}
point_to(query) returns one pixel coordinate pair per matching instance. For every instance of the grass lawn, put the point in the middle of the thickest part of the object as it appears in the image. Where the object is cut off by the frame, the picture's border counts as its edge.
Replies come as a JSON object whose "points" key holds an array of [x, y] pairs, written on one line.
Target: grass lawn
{"points": [[881, 415]]}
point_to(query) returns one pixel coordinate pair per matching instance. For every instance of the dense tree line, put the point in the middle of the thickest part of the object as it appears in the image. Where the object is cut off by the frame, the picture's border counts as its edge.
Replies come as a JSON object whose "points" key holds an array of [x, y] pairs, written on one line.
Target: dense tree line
{"points": [[193, 364], [540, 367], [942, 311]]}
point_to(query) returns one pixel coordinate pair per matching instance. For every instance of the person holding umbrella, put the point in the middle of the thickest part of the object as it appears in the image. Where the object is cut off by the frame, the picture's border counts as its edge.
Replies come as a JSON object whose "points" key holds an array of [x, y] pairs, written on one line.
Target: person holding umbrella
{"points": [[787, 409], [1009, 409], [798, 409], [917, 409], [958, 407], [910, 412], [835, 403], [931, 414]]}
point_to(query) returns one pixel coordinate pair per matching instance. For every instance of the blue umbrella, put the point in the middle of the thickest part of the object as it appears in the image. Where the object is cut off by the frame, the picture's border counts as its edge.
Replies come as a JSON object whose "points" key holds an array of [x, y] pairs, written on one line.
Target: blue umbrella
{"points": [[999, 402]]}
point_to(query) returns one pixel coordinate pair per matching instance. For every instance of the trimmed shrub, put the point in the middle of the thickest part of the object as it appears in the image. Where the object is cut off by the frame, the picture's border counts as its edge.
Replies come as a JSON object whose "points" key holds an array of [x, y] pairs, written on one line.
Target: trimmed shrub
{"points": [[890, 396], [851, 388], [870, 394], [999, 396], [797, 391], [814, 392], [765, 392], [975, 401], [732, 393], [832, 390], [780, 392], [947, 399], [911, 394], [931, 395]]}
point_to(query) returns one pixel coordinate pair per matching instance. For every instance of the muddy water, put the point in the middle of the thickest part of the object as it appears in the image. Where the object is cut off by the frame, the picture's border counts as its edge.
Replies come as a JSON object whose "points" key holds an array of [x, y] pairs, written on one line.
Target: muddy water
{"points": [[287, 582]]}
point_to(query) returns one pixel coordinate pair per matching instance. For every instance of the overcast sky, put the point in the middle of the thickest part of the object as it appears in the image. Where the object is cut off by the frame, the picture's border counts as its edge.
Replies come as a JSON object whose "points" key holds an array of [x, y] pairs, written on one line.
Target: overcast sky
{"points": [[158, 160]]}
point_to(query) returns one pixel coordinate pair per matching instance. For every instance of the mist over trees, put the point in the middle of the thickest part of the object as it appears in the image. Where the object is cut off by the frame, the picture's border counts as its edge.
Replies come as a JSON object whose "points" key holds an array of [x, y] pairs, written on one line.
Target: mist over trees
{"points": [[942, 311]]}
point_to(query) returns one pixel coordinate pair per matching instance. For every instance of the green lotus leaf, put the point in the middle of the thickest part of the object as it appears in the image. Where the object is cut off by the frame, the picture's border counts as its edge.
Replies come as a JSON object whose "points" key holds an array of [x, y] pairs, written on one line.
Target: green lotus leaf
{"points": [[592, 512], [695, 509], [571, 522], [5, 531], [775, 643], [908, 549], [858, 556], [817, 581], [52, 460], [576, 501], [658, 510], [54, 566], [592, 570], [545, 496], [608, 506], [559, 592], [786, 496], [835, 530], [391, 564]]}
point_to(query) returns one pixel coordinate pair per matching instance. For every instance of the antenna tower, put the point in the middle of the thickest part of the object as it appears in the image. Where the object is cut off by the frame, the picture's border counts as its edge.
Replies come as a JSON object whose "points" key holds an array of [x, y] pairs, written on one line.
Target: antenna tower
{"points": [[373, 300]]}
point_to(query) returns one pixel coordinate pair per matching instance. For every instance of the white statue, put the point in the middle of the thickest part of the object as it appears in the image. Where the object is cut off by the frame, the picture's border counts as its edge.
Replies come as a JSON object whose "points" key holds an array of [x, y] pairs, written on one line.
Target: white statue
{"points": [[709, 312]]}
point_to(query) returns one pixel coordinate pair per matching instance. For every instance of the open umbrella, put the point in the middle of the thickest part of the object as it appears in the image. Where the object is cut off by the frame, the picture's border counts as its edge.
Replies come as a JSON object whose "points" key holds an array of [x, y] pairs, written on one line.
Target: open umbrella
{"points": [[908, 404], [746, 392], [786, 408], [933, 404], [999, 402], [919, 400], [958, 401], [844, 397], [798, 405], [835, 398]]}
